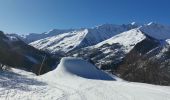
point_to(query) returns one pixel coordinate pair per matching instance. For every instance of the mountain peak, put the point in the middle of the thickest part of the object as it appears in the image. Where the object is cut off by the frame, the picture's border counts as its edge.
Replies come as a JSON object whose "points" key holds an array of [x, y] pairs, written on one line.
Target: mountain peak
{"points": [[154, 24], [104, 26], [128, 39], [150, 23], [133, 23], [2, 35]]}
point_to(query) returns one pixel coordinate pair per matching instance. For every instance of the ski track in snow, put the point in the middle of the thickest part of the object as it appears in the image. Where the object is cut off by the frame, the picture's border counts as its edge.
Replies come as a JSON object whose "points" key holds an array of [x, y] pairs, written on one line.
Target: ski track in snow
{"points": [[61, 84]]}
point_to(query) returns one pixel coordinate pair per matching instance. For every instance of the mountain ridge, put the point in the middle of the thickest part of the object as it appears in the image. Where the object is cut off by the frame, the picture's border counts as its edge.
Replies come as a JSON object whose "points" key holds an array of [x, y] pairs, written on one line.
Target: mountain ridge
{"points": [[92, 37]]}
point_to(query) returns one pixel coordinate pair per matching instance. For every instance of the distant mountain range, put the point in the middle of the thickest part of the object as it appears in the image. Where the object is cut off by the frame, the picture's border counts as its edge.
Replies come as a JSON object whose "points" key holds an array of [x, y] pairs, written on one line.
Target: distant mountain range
{"points": [[79, 38], [56, 40]]}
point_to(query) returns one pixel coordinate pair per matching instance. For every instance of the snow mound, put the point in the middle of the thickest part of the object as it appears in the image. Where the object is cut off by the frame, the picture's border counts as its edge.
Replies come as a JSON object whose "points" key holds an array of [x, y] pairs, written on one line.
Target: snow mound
{"points": [[76, 67]]}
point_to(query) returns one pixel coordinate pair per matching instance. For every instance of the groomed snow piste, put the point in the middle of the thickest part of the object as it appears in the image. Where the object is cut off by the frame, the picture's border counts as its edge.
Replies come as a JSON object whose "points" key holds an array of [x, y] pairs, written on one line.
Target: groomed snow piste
{"points": [[75, 79]]}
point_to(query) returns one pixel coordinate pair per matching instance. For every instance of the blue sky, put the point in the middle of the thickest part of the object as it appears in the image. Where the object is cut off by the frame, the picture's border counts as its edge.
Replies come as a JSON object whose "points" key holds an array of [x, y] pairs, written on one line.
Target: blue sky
{"points": [[37, 16]]}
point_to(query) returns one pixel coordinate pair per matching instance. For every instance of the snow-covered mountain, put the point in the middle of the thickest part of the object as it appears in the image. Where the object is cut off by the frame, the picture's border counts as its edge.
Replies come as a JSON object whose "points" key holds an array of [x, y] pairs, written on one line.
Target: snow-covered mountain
{"points": [[68, 40], [80, 38], [66, 84], [36, 36], [63, 42], [128, 39], [115, 48]]}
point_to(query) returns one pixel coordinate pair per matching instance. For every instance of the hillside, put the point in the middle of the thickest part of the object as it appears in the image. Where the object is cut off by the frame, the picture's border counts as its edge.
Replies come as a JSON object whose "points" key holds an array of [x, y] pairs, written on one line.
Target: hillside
{"points": [[16, 53], [53, 85]]}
